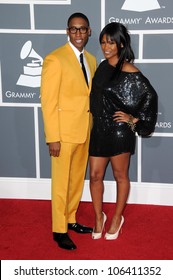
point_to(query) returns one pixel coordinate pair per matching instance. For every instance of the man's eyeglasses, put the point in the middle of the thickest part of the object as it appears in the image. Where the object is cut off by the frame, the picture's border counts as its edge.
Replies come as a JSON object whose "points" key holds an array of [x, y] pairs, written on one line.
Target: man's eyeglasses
{"points": [[82, 29]]}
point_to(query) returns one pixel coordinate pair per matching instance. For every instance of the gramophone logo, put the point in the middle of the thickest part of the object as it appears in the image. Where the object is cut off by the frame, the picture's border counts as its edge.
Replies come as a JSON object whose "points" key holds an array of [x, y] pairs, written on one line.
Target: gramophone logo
{"points": [[31, 76], [140, 5]]}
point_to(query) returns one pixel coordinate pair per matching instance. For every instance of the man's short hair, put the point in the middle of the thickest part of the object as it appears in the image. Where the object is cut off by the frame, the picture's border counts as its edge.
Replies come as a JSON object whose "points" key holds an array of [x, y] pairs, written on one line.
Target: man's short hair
{"points": [[78, 15]]}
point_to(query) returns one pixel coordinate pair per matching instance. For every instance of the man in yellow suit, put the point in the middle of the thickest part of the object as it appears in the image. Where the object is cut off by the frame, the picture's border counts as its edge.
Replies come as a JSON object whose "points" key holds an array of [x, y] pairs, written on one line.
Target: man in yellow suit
{"points": [[65, 107]]}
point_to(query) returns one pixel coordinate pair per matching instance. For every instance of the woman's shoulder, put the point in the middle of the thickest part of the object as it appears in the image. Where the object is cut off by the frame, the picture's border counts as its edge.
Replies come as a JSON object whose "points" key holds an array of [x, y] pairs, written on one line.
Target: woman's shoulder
{"points": [[130, 68]]}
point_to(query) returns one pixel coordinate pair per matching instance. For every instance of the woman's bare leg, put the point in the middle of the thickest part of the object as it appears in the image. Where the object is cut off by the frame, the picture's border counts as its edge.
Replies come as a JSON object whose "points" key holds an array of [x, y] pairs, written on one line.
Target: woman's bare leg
{"points": [[97, 171], [120, 167]]}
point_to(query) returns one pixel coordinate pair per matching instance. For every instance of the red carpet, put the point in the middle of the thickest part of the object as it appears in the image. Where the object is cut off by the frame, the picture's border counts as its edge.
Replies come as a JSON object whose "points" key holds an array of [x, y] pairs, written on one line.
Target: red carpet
{"points": [[25, 233]]}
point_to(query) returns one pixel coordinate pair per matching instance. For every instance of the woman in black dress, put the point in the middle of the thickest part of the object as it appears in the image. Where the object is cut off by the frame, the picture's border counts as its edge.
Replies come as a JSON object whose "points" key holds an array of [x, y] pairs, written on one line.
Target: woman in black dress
{"points": [[123, 103]]}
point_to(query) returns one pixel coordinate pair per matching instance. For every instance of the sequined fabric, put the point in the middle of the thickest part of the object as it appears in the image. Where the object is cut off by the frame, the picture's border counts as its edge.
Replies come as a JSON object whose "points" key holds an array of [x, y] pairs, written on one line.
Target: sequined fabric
{"points": [[131, 93]]}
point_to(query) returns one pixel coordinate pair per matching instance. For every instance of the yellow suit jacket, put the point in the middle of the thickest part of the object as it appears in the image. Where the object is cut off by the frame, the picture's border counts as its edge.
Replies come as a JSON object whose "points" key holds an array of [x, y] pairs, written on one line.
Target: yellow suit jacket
{"points": [[65, 96]]}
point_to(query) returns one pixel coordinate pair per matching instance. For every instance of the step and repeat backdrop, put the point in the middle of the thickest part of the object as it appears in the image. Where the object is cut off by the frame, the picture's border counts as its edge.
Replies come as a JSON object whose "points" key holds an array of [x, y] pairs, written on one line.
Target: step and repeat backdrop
{"points": [[28, 31]]}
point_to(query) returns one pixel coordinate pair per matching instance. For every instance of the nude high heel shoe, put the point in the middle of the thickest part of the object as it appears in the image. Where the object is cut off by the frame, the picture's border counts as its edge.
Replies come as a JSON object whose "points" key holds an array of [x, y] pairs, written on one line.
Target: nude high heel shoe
{"points": [[112, 236], [98, 235]]}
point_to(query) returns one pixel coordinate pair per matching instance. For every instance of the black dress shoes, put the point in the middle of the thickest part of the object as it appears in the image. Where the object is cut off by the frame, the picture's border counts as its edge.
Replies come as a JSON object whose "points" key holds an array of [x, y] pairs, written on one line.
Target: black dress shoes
{"points": [[79, 228], [64, 241]]}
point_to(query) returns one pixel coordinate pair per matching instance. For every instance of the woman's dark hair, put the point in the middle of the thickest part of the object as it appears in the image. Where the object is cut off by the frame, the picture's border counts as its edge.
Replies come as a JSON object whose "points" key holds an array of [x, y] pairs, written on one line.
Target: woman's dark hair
{"points": [[118, 33], [78, 15]]}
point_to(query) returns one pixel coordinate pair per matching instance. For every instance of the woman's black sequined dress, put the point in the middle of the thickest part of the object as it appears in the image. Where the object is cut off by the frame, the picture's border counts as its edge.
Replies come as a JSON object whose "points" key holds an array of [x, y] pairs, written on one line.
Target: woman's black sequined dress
{"points": [[131, 93]]}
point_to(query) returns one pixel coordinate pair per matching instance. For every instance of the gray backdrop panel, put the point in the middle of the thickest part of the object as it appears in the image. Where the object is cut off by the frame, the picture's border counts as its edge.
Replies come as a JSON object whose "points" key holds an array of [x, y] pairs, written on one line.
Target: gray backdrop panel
{"points": [[157, 160], [14, 16], [158, 46], [45, 162], [17, 149]]}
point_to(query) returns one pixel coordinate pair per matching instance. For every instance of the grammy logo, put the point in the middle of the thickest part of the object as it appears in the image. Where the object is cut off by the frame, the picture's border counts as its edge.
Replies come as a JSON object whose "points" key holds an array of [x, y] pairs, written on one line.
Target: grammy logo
{"points": [[140, 5], [31, 76]]}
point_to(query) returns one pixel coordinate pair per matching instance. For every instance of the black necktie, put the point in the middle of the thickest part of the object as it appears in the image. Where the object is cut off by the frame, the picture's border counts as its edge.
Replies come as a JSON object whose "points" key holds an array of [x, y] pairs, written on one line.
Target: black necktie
{"points": [[83, 68]]}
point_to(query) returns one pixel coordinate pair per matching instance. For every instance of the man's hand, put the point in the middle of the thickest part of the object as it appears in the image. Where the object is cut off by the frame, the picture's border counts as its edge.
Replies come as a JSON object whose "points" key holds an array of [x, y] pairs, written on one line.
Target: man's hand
{"points": [[54, 149]]}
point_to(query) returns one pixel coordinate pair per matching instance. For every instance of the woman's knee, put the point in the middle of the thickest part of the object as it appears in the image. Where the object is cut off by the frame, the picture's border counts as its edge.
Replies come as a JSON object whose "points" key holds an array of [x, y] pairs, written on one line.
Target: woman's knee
{"points": [[121, 176], [96, 177]]}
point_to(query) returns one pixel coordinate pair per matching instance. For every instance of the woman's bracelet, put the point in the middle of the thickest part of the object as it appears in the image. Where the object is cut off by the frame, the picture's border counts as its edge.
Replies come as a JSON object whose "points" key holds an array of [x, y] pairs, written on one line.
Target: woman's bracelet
{"points": [[131, 124]]}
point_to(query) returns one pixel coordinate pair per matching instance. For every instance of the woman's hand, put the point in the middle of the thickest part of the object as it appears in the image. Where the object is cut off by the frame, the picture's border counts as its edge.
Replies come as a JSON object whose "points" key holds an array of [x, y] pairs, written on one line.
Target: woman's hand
{"points": [[120, 116]]}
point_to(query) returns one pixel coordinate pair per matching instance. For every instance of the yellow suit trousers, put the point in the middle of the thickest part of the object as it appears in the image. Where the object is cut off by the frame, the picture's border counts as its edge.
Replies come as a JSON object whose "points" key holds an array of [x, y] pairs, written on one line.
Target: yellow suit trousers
{"points": [[68, 173]]}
